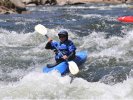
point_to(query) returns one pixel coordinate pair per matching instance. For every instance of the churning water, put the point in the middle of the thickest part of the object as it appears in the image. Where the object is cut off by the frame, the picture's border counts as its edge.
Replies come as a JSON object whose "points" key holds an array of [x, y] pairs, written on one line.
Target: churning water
{"points": [[107, 73]]}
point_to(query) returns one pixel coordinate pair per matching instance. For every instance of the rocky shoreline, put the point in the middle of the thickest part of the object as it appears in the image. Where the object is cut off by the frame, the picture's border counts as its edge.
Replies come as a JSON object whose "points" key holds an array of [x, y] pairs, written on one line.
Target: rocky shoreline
{"points": [[19, 6]]}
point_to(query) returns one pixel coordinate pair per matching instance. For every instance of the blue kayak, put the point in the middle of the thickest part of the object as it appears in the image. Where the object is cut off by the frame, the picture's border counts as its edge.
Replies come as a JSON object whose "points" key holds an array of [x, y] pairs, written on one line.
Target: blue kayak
{"points": [[63, 67]]}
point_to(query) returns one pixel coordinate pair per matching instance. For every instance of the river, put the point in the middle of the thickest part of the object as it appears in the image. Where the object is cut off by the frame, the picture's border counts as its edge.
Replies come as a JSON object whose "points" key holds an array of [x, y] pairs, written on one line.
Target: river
{"points": [[107, 73]]}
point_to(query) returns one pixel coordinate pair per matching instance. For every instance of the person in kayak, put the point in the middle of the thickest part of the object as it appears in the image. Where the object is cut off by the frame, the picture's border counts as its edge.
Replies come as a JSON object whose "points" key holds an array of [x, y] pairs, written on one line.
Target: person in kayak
{"points": [[64, 50]]}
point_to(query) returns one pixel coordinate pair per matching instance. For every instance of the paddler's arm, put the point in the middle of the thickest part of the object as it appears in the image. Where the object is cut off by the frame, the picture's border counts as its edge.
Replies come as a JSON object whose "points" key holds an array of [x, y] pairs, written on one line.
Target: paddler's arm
{"points": [[48, 45], [72, 50], [70, 57]]}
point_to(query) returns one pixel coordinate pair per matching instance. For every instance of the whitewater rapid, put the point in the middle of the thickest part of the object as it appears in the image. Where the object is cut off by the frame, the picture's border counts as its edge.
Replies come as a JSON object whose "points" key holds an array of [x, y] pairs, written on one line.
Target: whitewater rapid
{"points": [[106, 75], [33, 84]]}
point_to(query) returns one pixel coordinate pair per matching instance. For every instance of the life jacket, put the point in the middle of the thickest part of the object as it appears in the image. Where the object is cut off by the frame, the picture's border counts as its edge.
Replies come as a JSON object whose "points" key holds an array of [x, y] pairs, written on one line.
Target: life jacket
{"points": [[65, 48]]}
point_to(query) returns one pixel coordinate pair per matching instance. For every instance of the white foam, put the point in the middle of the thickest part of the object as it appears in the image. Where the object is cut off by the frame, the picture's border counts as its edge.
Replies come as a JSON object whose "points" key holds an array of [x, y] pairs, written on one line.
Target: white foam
{"points": [[38, 85]]}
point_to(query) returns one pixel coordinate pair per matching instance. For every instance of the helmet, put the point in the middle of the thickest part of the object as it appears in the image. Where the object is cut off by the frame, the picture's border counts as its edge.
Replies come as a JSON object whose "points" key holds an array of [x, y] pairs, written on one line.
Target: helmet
{"points": [[63, 32]]}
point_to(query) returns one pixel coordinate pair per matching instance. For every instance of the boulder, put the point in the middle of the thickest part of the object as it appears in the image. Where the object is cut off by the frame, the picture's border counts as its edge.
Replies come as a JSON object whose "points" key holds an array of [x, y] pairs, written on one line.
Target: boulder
{"points": [[5, 10], [114, 1], [18, 3], [6, 7], [83, 1], [129, 1], [64, 2], [20, 6], [31, 2]]}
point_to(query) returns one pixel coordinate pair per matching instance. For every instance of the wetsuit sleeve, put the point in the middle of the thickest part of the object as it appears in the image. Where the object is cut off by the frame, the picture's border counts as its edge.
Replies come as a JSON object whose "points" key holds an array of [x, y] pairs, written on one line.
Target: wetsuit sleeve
{"points": [[48, 46], [72, 47], [51, 45]]}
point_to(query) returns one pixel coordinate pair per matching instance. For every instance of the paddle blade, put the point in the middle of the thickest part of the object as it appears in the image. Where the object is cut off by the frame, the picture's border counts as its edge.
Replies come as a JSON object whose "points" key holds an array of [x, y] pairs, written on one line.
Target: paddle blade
{"points": [[73, 67], [41, 29]]}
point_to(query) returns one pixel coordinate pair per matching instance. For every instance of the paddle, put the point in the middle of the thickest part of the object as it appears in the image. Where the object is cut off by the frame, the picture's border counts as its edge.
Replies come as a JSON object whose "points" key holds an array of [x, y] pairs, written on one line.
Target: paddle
{"points": [[72, 65]]}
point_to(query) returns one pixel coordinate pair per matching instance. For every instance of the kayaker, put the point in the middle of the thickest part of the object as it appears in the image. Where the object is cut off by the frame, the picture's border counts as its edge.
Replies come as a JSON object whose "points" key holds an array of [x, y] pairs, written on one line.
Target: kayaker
{"points": [[64, 50]]}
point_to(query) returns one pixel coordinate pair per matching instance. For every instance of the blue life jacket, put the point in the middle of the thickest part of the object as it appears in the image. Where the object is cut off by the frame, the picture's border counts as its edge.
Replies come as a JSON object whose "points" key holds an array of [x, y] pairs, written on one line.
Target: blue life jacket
{"points": [[65, 48]]}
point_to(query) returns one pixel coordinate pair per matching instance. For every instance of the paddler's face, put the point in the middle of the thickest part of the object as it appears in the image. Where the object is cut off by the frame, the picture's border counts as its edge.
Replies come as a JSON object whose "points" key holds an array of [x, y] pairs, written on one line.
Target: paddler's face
{"points": [[62, 38]]}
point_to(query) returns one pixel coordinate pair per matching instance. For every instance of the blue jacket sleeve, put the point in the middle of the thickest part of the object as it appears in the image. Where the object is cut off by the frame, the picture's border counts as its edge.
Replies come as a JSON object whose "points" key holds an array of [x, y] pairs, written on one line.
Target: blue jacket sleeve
{"points": [[72, 47], [72, 51], [51, 45]]}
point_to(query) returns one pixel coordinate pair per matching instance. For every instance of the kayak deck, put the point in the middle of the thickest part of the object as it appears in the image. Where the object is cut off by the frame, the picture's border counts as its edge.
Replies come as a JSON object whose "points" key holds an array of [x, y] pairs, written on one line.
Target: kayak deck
{"points": [[63, 67]]}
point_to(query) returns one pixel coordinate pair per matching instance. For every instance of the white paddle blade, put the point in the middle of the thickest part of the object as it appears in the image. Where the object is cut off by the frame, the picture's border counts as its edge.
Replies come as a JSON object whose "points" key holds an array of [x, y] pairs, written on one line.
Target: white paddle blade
{"points": [[73, 67], [41, 29]]}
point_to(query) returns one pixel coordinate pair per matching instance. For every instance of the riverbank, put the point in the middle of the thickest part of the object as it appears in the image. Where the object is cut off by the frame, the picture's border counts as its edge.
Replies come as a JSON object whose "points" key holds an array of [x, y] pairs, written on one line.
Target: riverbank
{"points": [[19, 6]]}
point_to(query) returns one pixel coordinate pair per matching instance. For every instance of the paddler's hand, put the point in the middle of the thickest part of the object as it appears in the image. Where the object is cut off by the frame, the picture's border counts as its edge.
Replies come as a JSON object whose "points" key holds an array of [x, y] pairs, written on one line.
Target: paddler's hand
{"points": [[49, 39], [64, 57]]}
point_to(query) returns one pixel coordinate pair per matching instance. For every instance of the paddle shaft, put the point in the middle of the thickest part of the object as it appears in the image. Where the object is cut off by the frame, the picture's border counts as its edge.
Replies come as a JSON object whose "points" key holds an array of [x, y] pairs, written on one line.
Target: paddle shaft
{"points": [[46, 36]]}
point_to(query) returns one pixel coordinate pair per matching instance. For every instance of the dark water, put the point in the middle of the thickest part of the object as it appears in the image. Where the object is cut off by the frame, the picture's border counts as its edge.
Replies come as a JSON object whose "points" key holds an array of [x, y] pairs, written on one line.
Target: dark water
{"points": [[93, 27]]}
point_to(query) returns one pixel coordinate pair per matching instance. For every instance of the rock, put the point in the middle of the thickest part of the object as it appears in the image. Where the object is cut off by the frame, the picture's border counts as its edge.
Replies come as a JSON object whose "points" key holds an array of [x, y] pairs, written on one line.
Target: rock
{"points": [[19, 6], [43, 2], [12, 6], [31, 5], [129, 1], [6, 7], [114, 1], [64, 2], [4, 10], [37, 2], [83, 1], [18, 3]]}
